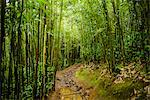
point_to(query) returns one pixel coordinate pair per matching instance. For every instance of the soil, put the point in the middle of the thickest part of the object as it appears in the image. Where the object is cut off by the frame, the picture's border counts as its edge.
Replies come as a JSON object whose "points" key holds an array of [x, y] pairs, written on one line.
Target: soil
{"points": [[68, 87]]}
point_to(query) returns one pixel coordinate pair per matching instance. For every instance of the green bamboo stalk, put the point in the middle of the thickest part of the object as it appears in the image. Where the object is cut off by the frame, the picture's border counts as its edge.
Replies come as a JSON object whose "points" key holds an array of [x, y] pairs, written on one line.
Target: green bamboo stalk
{"points": [[2, 40], [44, 63]]}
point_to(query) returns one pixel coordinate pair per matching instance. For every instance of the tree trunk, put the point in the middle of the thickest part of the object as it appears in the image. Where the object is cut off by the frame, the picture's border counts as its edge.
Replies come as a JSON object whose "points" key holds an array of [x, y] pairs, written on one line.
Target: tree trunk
{"points": [[2, 40]]}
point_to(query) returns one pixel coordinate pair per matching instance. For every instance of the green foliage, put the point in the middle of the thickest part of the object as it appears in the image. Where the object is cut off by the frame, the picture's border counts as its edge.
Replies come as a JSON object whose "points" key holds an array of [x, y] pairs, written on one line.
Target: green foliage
{"points": [[28, 93], [137, 47], [111, 31]]}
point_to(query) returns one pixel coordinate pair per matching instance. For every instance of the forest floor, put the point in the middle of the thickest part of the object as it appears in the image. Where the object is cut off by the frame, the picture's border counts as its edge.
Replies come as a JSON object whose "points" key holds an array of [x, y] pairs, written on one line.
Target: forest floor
{"points": [[68, 87], [95, 82]]}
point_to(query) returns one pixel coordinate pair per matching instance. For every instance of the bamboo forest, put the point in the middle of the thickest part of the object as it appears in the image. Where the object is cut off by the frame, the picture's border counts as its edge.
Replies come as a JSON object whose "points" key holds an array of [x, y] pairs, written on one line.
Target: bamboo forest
{"points": [[74, 49]]}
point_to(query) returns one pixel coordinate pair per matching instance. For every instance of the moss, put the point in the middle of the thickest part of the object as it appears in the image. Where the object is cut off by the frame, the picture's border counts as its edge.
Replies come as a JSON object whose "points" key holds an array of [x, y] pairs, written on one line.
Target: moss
{"points": [[122, 90], [82, 74], [106, 88], [93, 79]]}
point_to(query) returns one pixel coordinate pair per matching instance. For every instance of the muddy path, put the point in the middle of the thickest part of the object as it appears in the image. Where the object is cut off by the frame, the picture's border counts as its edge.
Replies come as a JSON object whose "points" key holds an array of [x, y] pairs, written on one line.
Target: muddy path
{"points": [[68, 87]]}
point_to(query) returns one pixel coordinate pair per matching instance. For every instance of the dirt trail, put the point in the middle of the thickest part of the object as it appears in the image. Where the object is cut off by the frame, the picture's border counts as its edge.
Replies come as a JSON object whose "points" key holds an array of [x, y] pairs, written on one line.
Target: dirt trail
{"points": [[69, 88]]}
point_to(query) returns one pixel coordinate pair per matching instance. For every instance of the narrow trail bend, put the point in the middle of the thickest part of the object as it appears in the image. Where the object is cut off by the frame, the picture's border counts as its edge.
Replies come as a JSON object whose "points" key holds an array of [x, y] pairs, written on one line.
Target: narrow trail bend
{"points": [[68, 87]]}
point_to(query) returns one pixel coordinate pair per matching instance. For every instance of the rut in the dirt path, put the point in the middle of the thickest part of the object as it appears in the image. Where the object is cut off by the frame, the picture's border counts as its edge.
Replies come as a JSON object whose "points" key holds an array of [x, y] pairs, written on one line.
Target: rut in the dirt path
{"points": [[68, 87]]}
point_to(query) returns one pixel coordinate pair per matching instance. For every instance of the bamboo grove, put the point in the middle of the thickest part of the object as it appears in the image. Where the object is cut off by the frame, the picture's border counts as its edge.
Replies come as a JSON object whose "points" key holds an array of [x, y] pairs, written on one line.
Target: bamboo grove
{"points": [[39, 37]]}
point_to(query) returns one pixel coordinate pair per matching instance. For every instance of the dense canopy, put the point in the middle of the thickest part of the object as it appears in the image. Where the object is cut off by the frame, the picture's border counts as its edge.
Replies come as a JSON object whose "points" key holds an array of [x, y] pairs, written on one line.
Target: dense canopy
{"points": [[40, 37]]}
